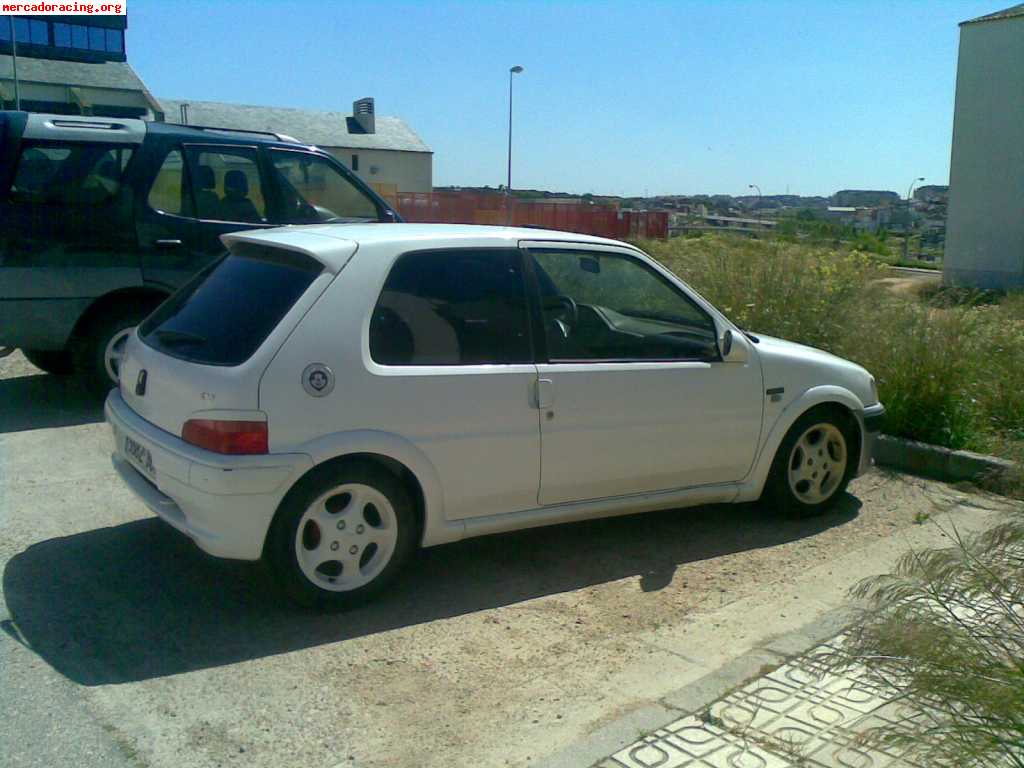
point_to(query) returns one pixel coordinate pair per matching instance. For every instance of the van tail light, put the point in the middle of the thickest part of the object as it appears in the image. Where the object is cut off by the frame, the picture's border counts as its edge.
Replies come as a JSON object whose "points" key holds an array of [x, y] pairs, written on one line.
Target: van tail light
{"points": [[235, 437]]}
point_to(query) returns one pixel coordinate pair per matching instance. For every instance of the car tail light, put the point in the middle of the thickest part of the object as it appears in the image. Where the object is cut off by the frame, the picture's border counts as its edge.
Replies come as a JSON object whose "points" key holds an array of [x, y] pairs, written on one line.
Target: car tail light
{"points": [[236, 437]]}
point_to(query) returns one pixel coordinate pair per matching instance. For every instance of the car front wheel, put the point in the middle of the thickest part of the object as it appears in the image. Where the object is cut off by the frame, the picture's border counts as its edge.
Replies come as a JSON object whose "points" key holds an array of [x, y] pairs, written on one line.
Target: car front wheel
{"points": [[814, 464], [341, 535]]}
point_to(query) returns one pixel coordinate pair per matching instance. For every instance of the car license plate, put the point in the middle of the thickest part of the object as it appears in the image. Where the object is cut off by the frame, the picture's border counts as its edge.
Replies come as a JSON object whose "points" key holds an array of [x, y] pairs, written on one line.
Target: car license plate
{"points": [[140, 456]]}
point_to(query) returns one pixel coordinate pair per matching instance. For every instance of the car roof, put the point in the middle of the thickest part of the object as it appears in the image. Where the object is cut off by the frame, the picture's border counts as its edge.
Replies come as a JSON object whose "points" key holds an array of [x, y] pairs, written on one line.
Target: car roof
{"points": [[324, 242]]}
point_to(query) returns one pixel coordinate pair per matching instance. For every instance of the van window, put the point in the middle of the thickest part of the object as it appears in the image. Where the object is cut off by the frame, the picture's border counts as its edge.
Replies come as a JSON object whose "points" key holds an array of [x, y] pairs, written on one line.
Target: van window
{"points": [[226, 184], [69, 174], [223, 314], [314, 190], [168, 194], [457, 307]]}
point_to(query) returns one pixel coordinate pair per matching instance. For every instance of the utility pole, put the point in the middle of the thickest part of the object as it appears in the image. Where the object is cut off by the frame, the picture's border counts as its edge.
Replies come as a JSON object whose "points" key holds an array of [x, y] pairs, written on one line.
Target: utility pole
{"points": [[906, 227]]}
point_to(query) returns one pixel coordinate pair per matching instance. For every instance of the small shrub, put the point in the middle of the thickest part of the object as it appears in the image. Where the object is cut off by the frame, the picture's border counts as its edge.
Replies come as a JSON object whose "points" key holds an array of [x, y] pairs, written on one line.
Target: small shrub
{"points": [[945, 633]]}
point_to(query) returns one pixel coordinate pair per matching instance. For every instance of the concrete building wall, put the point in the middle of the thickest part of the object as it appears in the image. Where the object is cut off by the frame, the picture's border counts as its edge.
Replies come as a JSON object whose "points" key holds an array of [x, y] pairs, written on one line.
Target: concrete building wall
{"points": [[985, 227], [408, 171]]}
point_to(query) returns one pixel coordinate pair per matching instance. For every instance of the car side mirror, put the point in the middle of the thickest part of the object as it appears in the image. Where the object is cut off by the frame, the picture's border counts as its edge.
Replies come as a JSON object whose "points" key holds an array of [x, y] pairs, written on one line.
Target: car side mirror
{"points": [[733, 346], [727, 342]]}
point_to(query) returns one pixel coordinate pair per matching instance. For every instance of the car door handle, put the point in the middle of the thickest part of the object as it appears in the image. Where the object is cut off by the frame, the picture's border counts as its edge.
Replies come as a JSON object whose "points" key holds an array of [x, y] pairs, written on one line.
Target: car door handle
{"points": [[545, 393], [170, 243]]}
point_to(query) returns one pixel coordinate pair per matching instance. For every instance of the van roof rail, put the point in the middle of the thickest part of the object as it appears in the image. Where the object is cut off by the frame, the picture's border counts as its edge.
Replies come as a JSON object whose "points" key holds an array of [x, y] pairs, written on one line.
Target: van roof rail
{"points": [[218, 129]]}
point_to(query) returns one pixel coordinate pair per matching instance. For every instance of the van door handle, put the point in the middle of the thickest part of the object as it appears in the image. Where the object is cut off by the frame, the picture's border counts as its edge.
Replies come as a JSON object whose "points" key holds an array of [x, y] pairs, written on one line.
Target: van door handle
{"points": [[171, 243]]}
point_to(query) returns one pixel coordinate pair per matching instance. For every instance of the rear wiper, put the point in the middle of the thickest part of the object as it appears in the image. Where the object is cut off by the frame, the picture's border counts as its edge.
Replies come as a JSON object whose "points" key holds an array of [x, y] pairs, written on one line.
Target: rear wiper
{"points": [[180, 337]]}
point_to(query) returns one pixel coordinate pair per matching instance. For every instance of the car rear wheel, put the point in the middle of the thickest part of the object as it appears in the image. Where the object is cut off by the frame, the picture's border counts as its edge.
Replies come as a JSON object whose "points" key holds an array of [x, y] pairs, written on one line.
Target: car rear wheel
{"points": [[57, 362], [814, 464], [341, 535]]}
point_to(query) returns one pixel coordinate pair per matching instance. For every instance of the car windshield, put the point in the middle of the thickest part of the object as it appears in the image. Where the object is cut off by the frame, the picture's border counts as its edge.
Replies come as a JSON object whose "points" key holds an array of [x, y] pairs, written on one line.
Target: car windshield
{"points": [[224, 314]]}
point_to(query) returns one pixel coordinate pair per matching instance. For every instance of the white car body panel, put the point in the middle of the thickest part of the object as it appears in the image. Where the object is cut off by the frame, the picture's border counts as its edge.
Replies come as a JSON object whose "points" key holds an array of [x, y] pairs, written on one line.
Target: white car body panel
{"points": [[623, 437]]}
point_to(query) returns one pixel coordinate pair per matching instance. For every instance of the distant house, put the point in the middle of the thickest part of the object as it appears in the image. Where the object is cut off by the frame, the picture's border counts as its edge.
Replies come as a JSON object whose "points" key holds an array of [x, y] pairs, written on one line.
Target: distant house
{"points": [[985, 224], [383, 150]]}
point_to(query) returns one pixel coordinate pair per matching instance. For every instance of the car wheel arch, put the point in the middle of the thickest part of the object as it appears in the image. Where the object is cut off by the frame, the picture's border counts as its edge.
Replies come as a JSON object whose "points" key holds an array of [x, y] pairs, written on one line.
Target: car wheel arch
{"points": [[832, 397], [400, 458]]}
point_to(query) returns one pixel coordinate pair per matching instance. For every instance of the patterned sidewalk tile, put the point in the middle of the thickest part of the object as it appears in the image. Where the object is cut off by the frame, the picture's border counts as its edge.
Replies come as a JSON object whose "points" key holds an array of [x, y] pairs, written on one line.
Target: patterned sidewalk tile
{"points": [[796, 716]]}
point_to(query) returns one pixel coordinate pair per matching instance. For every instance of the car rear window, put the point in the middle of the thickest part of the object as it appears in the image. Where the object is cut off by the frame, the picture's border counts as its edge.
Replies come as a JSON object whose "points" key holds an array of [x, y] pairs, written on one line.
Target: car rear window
{"points": [[224, 313]]}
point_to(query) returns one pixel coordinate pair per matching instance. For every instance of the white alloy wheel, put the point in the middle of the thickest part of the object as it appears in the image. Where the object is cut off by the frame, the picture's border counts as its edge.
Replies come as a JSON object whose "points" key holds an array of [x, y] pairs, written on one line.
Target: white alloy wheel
{"points": [[346, 537], [114, 353], [817, 463]]}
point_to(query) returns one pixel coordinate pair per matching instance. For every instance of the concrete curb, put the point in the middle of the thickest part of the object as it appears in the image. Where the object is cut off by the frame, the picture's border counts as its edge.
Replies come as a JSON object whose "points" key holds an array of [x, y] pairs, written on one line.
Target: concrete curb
{"points": [[937, 462]]}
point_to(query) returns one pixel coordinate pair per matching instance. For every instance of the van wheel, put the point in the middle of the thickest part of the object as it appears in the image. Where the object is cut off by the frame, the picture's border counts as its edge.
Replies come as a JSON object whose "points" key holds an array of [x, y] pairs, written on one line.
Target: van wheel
{"points": [[341, 535], [813, 465], [100, 350], [57, 362]]}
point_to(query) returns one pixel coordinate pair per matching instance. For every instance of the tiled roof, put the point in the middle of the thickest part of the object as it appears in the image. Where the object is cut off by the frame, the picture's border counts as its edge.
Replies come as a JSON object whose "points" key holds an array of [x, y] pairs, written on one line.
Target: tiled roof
{"points": [[108, 74], [1006, 13], [325, 129]]}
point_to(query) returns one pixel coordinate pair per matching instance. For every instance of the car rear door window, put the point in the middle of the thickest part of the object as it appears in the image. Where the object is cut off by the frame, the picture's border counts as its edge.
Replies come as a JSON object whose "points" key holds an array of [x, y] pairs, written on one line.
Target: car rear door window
{"points": [[226, 184], [224, 313], [452, 307], [71, 174]]}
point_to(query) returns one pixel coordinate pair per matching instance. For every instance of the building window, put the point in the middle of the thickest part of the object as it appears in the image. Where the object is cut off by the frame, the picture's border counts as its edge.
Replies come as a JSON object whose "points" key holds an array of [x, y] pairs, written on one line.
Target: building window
{"points": [[115, 41], [97, 39], [355, 162], [62, 35], [79, 37]]}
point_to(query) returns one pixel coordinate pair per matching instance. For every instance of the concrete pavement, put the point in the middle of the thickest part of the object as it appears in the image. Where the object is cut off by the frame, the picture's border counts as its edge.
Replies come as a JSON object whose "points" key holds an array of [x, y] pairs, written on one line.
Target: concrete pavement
{"points": [[124, 645]]}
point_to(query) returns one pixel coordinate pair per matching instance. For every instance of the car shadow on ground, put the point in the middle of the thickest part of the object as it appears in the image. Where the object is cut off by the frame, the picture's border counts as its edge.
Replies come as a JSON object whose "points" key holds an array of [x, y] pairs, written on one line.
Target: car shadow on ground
{"points": [[43, 401], [138, 601]]}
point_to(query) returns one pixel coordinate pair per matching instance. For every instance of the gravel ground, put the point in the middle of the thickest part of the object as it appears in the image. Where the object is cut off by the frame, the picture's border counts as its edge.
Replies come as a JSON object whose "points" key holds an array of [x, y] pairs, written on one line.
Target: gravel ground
{"points": [[487, 652]]}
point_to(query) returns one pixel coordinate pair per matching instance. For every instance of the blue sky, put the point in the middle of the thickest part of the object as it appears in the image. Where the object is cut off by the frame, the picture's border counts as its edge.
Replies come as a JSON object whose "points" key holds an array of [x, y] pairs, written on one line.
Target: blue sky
{"points": [[617, 98]]}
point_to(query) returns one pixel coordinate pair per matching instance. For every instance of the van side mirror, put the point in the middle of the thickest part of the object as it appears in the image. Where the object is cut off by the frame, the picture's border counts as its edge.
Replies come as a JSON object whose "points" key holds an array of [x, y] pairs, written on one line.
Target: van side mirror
{"points": [[727, 342]]}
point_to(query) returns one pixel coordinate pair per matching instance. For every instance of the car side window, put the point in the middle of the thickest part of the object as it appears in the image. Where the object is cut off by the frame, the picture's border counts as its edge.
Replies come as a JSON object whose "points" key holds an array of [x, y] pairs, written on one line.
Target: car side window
{"points": [[169, 193], [226, 184], [71, 174], [313, 190], [606, 306], [452, 307]]}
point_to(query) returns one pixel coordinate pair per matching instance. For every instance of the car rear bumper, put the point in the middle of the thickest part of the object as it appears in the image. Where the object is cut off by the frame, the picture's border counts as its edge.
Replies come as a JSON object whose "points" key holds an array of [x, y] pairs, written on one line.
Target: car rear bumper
{"points": [[223, 503], [871, 420]]}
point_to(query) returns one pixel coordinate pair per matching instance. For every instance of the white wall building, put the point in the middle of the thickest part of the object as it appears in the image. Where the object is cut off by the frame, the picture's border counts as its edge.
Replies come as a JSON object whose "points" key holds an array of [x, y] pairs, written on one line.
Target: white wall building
{"points": [[985, 225], [383, 150]]}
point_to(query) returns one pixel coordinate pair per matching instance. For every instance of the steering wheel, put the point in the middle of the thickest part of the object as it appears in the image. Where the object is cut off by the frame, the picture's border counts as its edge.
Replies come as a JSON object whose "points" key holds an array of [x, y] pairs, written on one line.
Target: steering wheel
{"points": [[570, 312]]}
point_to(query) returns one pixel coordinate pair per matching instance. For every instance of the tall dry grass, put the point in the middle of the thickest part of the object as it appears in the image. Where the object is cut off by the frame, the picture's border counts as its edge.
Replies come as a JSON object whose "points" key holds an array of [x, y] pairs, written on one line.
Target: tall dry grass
{"points": [[949, 374]]}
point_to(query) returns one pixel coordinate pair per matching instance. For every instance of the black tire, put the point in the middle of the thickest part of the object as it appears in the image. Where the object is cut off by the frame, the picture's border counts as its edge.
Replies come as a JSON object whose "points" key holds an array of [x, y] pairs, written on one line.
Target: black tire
{"points": [[91, 346], [283, 540], [57, 362], [780, 493]]}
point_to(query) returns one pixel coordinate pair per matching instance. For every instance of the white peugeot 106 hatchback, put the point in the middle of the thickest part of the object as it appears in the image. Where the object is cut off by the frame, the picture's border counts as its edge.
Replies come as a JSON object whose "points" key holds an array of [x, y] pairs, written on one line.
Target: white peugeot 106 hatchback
{"points": [[331, 397]]}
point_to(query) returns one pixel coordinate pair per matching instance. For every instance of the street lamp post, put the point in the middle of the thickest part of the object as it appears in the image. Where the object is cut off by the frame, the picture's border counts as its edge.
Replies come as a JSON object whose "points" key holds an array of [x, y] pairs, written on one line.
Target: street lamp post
{"points": [[754, 186], [508, 185], [906, 228]]}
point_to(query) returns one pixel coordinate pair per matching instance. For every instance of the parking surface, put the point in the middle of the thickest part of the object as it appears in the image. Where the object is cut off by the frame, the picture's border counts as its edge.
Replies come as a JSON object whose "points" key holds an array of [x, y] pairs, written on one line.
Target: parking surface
{"points": [[123, 644]]}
